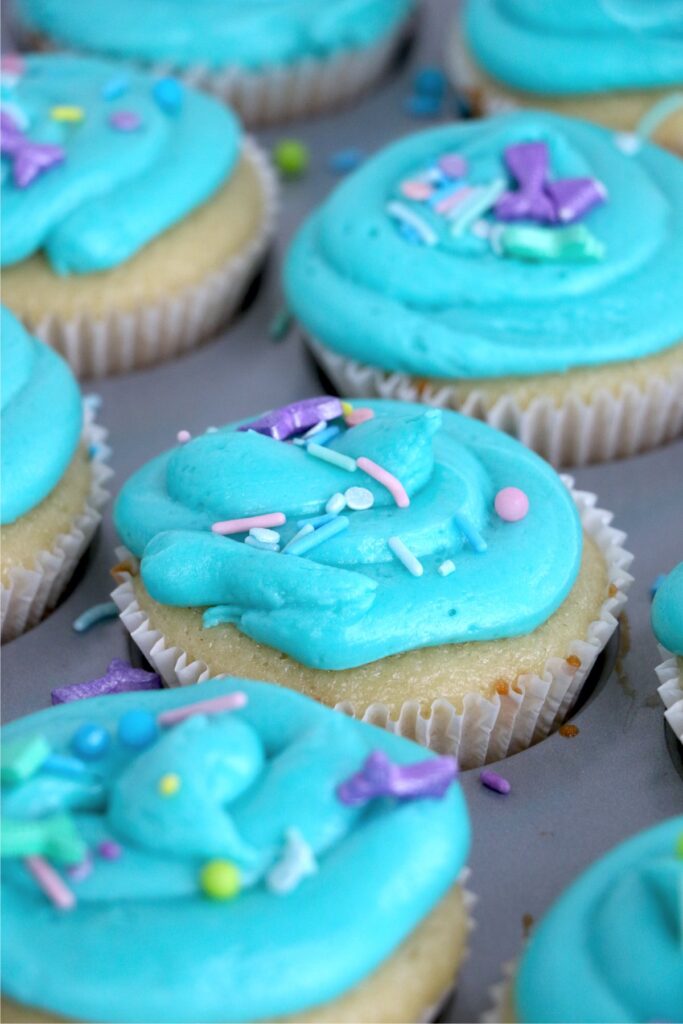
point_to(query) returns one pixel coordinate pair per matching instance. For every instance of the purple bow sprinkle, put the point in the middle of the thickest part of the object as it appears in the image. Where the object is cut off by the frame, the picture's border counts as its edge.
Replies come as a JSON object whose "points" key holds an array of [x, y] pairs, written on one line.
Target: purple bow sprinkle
{"points": [[29, 159], [120, 677], [574, 197], [380, 777], [297, 417], [549, 202]]}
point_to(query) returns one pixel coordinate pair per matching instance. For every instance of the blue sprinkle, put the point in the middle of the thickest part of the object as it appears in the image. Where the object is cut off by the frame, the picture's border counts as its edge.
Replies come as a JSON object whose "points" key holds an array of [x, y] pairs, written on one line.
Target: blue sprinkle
{"points": [[168, 92], [90, 741], [422, 106], [62, 764], [326, 435], [114, 88], [409, 233], [311, 540], [137, 729], [657, 584], [430, 81], [471, 534], [345, 160], [317, 521], [98, 613]]}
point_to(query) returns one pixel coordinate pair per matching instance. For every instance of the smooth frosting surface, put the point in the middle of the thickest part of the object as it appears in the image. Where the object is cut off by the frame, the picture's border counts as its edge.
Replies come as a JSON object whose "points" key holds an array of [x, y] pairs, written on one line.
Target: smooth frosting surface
{"points": [[143, 942], [457, 308], [217, 33], [583, 47], [667, 611], [132, 165], [40, 420], [350, 601], [611, 948]]}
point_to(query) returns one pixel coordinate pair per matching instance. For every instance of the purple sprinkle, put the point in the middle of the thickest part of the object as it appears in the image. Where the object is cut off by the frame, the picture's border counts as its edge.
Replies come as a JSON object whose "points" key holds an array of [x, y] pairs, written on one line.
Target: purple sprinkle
{"points": [[29, 159], [125, 120], [109, 850], [453, 165], [528, 163], [297, 417], [492, 780], [381, 777], [120, 677], [79, 872], [574, 197]]}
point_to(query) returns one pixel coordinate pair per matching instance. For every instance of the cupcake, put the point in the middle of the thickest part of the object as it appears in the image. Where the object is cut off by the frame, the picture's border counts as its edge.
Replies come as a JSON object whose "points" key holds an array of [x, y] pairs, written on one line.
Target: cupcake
{"points": [[667, 623], [609, 950], [135, 214], [231, 853], [270, 61], [53, 474], [522, 269], [408, 566], [617, 63]]}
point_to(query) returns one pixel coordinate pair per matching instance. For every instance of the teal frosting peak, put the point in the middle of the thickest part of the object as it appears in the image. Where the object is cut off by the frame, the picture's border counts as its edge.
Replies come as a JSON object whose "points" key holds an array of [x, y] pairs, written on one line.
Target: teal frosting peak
{"points": [[150, 945], [344, 603], [611, 948], [117, 188], [216, 33], [471, 303], [667, 611], [587, 46], [40, 420]]}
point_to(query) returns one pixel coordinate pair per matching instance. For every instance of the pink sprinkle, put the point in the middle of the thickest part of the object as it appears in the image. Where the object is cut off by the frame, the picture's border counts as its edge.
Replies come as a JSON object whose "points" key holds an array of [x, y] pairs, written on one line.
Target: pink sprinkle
{"points": [[50, 882], [231, 702], [109, 850], [453, 200], [494, 781], [418, 190], [511, 504], [357, 416], [249, 523], [183, 436], [12, 64], [125, 120], [386, 479]]}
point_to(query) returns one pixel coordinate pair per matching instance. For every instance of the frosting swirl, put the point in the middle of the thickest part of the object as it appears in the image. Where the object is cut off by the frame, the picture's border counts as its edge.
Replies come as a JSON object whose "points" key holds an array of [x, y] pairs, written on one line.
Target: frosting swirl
{"points": [[243, 781], [41, 419], [349, 601], [137, 158], [667, 611], [455, 306]]}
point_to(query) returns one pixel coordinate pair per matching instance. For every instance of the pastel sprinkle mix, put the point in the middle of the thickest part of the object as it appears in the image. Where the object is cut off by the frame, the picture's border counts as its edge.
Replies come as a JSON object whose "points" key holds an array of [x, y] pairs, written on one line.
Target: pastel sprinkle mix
{"points": [[56, 890], [511, 504], [355, 417], [327, 435], [537, 244], [446, 568], [380, 777], [415, 189], [303, 532], [264, 536], [296, 863], [405, 216], [251, 542], [492, 780], [471, 534], [317, 521], [333, 457], [183, 436], [386, 479], [67, 114], [405, 556], [337, 503], [109, 850], [229, 526], [215, 706], [358, 499], [480, 201], [312, 540], [125, 121], [169, 784], [93, 616]]}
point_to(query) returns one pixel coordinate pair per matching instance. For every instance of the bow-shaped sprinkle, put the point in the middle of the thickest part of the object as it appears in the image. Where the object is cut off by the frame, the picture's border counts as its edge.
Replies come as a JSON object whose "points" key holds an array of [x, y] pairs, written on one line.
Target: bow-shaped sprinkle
{"points": [[296, 417], [548, 202], [381, 777], [29, 159]]}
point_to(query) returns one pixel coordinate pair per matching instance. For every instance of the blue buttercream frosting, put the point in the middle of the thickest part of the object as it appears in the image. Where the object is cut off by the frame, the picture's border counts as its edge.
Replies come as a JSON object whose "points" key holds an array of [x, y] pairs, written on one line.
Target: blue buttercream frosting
{"points": [[611, 948], [458, 308], [40, 420], [216, 33], [667, 611], [147, 942], [349, 601], [116, 189], [587, 46]]}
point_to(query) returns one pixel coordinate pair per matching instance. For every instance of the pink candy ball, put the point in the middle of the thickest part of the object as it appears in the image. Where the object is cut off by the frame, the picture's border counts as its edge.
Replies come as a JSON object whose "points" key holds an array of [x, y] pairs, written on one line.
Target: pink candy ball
{"points": [[511, 504]]}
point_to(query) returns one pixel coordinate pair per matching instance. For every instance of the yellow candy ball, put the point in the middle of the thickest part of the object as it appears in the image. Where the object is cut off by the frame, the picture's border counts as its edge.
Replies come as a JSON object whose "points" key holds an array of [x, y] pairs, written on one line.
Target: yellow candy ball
{"points": [[220, 880], [169, 784]]}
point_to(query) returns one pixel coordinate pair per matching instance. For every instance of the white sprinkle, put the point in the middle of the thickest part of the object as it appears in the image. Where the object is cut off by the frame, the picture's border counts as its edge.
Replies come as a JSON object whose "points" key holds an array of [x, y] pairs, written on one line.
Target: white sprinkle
{"points": [[446, 568], [296, 863], [253, 543], [402, 213], [264, 536], [628, 142], [359, 498], [321, 425], [405, 555], [303, 532], [337, 503]]}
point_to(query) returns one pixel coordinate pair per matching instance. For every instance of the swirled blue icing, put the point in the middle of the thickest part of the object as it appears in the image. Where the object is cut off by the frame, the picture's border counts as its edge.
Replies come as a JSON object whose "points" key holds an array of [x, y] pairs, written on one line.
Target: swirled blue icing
{"points": [[115, 190], [457, 308], [40, 419], [611, 948], [216, 33], [584, 47], [667, 611], [143, 942], [349, 601]]}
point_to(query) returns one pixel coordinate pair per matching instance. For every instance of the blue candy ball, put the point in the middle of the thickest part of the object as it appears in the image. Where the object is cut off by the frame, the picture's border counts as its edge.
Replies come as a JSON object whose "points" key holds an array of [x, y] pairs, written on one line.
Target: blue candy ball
{"points": [[137, 729], [90, 741], [168, 92]]}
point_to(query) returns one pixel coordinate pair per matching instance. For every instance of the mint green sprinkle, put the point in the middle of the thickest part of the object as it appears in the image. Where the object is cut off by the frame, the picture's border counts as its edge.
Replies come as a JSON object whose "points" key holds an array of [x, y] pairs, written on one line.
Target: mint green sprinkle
{"points": [[330, 455], [575, 244]]}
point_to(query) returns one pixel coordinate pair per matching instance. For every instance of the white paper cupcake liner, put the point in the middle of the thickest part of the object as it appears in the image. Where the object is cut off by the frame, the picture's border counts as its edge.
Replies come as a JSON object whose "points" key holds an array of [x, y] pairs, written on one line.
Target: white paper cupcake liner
{"points": [[487, 729], [573, 433], [465, 79], [32, 593], [501, 997], [671, 692], [119, 342], [469, 900]]}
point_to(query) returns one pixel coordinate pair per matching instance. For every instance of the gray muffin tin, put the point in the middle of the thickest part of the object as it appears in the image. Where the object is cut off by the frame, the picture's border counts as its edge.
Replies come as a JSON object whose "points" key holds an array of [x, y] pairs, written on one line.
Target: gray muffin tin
{"points": [[571, 799]]}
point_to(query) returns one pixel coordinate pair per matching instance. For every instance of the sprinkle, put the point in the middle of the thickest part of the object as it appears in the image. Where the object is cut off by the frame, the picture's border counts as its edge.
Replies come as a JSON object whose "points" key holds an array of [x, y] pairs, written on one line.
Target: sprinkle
{"points": [[215, 706], [169, 784], [70, 115], [312, 540], [251, 542], [359, 499], [429, 81], [220, 880], [93, 616], [295, 417], [54, 837], [537, 244], [29, 159], [120, 677], [183, 436], [109, 850], [125, 120], [291, 157], [422, 106], [453, 165], [472, 208], [228, 526], [494, 781], [21, 759], [355, 417], [337, 503], [317, 428], [296, 863], [303, 532], [50, 882], [453, 199], [114, 88], [405, 555], [470, 533], [280, 325], [264, 536], [79, 872], [573, 198], [528, 163], [62, 764], [402, 213], [418, 191], [137, 729], [511, 504], [380, 777], [386, 479], [317, 521], [333, 457], [446, 568], [327, 435], [90, 741], [168, 93], [345, 160], [346, 408]]}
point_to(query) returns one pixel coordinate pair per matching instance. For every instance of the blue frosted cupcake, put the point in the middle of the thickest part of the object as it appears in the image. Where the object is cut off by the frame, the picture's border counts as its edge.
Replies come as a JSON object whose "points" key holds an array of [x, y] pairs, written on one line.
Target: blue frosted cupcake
{"points": [[667, 624], [313, 862], [269, 60]]}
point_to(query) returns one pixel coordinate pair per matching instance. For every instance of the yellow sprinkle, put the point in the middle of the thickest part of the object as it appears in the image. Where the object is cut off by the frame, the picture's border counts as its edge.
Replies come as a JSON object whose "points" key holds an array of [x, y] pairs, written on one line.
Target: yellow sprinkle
{"points": [[169, 784], [70, 114], [346, 408], [679, 845]]}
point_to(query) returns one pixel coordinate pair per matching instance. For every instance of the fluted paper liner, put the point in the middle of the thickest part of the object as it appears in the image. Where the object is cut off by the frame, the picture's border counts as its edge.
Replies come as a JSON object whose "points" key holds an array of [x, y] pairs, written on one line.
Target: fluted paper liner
{"points": [[34, 592], [502, 1008], [119, 342], [573, 433], [671, 692], [487, 729]]}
